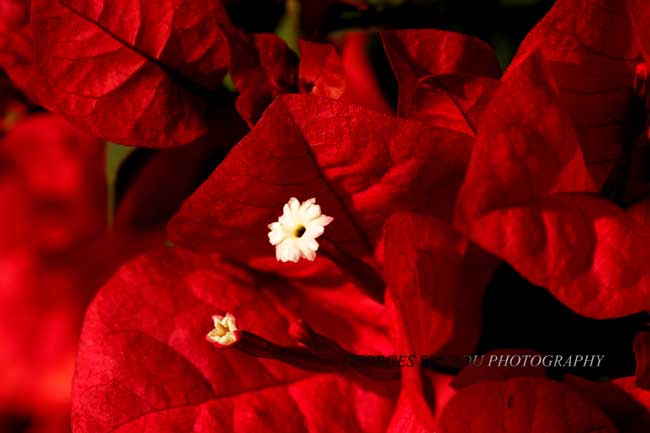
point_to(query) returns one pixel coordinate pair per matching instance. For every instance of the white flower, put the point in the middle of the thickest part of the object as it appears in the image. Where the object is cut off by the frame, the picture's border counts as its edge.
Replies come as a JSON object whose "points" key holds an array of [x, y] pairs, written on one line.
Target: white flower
{"points": [[225, 330], [294, 234]]}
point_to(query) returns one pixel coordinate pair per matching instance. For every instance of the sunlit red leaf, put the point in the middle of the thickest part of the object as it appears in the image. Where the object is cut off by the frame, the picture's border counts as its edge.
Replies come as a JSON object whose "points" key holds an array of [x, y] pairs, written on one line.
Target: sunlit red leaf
{"points": [[135, 73], [436, 279], [360, 165], [521, 201], [434, 302], [144, 362], [592, 50]]}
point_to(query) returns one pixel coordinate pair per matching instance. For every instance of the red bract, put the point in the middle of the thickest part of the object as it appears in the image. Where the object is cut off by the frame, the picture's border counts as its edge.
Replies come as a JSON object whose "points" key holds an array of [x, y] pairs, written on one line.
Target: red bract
{"points": [[362, 78], [435, 282], [522, 405], [131, 73], [593, 51], [443, 76], [143, 360], [263, 67], [360, 165], [144, 363], [347, 76], [519, 201], [522, 399], [321, 70]]}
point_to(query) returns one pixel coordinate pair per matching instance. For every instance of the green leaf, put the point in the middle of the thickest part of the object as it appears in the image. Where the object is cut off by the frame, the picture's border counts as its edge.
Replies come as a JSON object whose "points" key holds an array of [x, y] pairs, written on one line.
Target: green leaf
{"points": [[115, 155]]}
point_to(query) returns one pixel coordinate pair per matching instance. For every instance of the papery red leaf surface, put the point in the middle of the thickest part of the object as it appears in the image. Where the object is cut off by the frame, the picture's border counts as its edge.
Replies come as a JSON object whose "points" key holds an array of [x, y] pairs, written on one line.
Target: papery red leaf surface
{"points": [[134, 73], [523, 405], [346, 76], [362, 77], [520, 200], [436, 279], [360, 165], [417, 53], [442, 76], [321, 70], [414, 413], [144, 362], [434, 304], [406, 420], [624, 403], [593, 51], [263, 67]]}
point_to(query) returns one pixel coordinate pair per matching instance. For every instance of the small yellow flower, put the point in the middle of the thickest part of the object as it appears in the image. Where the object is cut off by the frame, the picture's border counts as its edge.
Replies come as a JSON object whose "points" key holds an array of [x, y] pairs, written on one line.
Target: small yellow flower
{"points": [[225, 332]]}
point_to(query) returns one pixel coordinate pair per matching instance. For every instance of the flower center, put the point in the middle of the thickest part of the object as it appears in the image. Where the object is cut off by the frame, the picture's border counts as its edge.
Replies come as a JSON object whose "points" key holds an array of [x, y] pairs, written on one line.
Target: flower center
{"points": [[300, 230], [225, 332]]}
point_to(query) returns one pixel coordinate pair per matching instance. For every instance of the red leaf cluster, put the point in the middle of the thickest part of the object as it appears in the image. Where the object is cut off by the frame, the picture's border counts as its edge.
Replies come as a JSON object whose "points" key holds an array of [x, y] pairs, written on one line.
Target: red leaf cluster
{"points": [[400, 217]]}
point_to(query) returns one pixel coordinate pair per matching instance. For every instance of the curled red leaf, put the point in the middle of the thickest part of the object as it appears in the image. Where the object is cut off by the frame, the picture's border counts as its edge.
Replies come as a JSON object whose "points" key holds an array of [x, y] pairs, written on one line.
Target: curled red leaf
{"points": [[444, 76]]}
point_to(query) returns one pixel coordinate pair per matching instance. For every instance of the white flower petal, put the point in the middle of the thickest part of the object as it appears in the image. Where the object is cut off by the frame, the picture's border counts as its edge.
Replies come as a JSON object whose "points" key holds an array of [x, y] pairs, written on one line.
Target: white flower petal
{"points": [[295, 231]]}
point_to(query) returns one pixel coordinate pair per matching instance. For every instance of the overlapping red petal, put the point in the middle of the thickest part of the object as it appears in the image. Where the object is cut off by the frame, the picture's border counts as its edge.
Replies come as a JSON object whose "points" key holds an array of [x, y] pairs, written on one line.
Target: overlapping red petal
{"points": [[145, 334], [134, 73], [360, 165], [443, 76], [523, 405], [593, 50], [528, 197], [344, 74]]}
